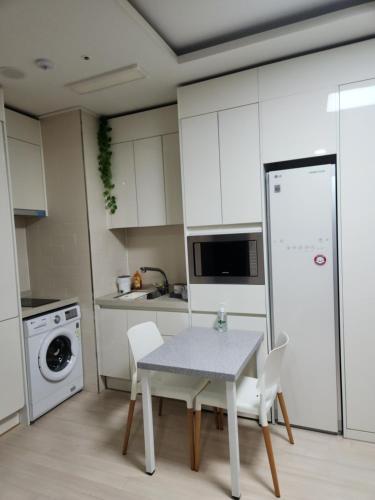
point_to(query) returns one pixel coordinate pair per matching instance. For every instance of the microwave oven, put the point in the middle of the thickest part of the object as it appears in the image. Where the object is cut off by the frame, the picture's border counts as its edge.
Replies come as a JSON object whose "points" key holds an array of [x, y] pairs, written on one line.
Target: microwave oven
{"points": [[226, 259]]}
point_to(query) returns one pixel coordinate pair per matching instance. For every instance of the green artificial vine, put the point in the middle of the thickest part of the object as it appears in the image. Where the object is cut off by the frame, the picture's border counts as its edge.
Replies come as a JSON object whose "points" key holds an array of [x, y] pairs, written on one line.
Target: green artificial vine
{"points": [[105, 164]]}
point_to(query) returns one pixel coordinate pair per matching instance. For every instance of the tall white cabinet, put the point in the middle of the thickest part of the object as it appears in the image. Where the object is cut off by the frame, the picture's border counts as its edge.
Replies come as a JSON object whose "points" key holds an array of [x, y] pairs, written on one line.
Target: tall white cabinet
{"points": [[8, 282], [11, 369], [357, 155], [219, 128]]}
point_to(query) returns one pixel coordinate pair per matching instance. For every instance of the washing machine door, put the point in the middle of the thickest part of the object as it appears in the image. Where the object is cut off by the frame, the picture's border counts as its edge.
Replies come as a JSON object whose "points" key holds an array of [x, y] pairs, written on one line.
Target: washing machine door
{"points": [[58, 354]]}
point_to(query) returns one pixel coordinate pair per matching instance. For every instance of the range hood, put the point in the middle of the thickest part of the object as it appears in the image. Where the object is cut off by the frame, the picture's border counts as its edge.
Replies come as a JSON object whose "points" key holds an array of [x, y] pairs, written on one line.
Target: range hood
{"points": [[25, 211]]}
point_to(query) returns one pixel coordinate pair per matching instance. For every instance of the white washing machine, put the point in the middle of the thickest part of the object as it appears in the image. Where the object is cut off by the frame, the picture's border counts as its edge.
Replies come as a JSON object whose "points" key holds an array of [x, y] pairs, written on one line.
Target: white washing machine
{"points": [[53, 358]]}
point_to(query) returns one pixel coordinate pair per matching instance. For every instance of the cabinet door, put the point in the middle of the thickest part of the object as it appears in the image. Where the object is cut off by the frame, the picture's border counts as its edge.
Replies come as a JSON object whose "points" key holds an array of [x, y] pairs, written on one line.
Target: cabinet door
{"points": [[8, 281], [150, 182], [26, 170], [136, 317], [299, 126], [125, 191], [357, 148], [201, 170], [172, 178], [113, 342], [240, 165], [172, 323], [22, 127], [11, 371]]}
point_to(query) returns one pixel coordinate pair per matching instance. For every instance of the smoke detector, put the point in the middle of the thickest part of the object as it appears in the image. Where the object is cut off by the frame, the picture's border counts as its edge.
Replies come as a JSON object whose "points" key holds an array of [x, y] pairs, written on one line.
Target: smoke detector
{"points": [[43, 63]]}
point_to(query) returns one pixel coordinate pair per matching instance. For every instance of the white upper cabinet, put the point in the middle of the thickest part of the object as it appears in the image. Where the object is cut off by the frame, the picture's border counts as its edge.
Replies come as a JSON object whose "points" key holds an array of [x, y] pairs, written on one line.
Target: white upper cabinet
{"points": [[357, 179], [221, 167], [149, 173], [172, 178], [220, 93], [8, 281], [27, 175], [201, 170], [123, 175], [240, 165], [146, 169], [299, 126], [26, 162]]}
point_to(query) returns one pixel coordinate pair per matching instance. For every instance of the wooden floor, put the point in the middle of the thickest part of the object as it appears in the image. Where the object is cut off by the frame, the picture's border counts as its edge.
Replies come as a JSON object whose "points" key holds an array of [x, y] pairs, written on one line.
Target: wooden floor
{"points": [[74, 453]]}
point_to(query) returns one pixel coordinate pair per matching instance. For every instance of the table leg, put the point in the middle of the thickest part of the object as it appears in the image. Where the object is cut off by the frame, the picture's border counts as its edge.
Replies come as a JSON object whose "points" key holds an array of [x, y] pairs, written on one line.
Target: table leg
{"points": [[148, 423], [234, 452]]}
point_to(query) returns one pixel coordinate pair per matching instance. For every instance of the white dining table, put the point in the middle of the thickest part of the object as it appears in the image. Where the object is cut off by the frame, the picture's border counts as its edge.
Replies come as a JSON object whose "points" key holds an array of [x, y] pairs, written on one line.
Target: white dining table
{"points": [[213, 355]]}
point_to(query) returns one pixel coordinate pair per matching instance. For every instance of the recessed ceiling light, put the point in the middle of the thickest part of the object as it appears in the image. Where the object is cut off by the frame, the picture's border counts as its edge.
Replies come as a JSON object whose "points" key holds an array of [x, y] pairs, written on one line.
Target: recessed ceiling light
{"points": [[12, 73], [110, 79], [44, 63]]}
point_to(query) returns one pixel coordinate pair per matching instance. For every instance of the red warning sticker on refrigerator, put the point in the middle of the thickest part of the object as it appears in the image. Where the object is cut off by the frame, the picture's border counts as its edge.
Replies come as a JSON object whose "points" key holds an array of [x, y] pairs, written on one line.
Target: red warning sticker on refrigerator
{"points": [[320, 259]]}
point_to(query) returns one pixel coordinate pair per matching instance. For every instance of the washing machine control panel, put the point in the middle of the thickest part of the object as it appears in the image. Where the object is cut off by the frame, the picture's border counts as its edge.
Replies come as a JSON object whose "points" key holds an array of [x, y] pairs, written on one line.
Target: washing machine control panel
{"points": [[55, 319]]}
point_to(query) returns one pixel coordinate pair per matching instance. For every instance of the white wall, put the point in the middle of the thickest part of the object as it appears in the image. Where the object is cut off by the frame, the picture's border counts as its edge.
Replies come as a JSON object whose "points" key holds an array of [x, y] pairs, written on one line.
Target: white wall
{"points": [[22, 253], [58, 245], [157, 247]]}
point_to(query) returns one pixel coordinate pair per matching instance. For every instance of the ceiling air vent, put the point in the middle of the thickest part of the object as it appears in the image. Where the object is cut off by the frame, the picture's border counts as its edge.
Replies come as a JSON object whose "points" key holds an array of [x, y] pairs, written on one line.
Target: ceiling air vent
{"points": [[106, 80]]}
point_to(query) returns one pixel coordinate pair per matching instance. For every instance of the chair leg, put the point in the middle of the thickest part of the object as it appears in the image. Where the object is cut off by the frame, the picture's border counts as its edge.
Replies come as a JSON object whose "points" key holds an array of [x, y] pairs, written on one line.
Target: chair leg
{"points": [[128, 426], [197, 439], [280, 397], [190, 418], [160, 407], [271, 459]]}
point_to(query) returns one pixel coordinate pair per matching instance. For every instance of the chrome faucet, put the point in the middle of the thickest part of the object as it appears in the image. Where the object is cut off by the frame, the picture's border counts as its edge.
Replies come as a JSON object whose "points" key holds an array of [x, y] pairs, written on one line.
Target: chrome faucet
{"points": [[157, 269]]}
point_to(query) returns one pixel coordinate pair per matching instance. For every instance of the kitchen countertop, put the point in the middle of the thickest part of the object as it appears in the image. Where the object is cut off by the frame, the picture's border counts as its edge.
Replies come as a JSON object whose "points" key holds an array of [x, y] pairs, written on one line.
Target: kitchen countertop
{"points": [[163, 303], [27, 312]]}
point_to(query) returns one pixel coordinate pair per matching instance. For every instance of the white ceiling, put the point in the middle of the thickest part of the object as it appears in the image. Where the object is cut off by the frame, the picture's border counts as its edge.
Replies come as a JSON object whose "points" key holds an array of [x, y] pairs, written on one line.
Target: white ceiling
{"points": [[194, 24], [114, 35]]}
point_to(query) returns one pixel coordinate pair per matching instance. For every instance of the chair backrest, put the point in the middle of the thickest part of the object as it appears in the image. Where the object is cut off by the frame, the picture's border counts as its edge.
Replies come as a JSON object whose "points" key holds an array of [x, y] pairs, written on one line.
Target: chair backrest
{"points": [[143, 339], [269, 381]]}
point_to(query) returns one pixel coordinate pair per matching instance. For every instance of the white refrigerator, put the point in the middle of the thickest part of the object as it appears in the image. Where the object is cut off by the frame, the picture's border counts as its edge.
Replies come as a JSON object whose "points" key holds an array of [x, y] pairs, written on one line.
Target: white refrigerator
{"points": [[304, 291]]}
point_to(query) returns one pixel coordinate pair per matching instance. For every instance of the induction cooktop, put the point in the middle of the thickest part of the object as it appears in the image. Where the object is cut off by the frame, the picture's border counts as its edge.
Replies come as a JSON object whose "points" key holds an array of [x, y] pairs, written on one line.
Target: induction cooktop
{"points": [[31, 302]]}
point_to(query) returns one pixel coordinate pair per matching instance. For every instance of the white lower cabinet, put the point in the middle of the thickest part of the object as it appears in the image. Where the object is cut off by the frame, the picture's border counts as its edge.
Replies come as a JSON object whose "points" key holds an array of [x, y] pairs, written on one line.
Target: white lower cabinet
{"points": [[113, 341], [171, 323], [11, 370], [253, 323]]}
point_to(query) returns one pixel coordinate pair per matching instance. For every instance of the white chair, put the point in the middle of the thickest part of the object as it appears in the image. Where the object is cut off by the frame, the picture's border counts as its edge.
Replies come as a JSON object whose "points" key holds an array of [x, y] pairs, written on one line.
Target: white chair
{"points": [[254, 398], [143, 339]]}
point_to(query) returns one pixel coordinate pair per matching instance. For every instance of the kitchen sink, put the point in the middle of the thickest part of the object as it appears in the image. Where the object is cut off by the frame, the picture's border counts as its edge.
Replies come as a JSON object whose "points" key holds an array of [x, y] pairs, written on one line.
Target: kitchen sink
{"points": [[155, 294]]}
